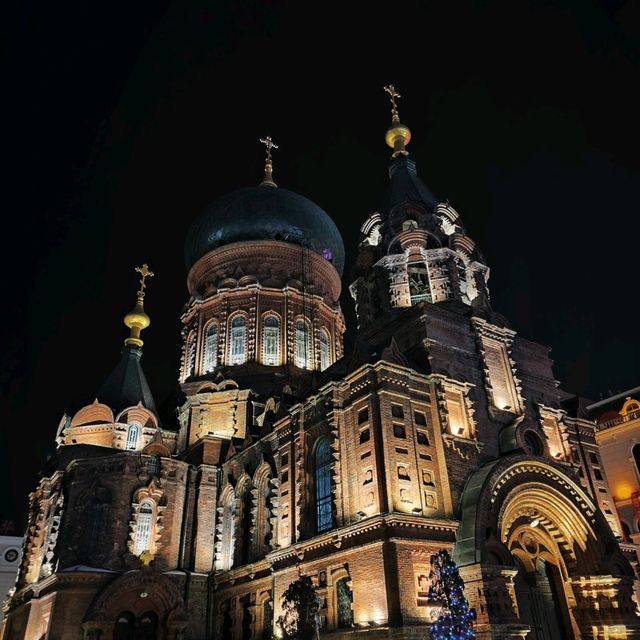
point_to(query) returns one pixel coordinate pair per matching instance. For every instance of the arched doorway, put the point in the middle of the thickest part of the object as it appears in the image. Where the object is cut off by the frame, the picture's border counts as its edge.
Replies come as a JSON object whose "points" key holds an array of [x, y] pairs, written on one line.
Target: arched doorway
{"points": [[139, 605], [540, 603], [530, 509], [125, 626]]}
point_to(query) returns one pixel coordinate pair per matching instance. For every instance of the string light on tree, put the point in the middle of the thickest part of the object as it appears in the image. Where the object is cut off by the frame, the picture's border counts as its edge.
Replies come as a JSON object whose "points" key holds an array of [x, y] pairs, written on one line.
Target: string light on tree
{"points": [[456, 620]]}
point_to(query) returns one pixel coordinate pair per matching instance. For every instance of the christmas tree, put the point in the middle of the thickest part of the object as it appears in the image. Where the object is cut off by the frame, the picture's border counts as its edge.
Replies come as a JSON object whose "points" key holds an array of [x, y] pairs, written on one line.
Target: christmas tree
{"points": [[300, 607], [456, 619]]}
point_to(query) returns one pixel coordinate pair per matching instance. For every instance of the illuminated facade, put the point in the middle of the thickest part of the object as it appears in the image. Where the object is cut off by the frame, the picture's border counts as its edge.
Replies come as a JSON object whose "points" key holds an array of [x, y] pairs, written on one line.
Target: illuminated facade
{"points": [[618, 439], [442, 428]]}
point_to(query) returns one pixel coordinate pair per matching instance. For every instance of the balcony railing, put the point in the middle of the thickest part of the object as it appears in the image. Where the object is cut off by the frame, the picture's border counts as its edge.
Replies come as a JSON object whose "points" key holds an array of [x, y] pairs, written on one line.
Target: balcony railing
{"points": [[632, 415]]}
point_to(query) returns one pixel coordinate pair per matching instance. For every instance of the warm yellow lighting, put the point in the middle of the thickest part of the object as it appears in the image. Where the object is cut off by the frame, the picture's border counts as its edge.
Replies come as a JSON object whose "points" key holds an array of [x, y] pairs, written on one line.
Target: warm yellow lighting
{"points": [[623, 492]]}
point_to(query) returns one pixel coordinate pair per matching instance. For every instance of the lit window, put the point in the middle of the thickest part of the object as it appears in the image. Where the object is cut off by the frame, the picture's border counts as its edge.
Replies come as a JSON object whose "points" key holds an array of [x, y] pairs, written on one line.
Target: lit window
{"points": [[271, 341], [190, 356], [303, 345], [143, 532], [238, 340], [153, 466], [419, 287], [211, 348], [325, 351], [345, 604], [133, 434], [324, 511]]}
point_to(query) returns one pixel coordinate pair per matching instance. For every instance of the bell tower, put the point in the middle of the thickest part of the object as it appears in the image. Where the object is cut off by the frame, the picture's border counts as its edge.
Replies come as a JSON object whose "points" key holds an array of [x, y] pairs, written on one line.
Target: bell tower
{"points": [[414, 249]]}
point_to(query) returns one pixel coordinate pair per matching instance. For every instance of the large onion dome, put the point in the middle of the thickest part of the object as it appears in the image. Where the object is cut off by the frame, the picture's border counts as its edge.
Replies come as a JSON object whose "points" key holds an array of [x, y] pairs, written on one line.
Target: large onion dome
{"points": [[264, 213]]}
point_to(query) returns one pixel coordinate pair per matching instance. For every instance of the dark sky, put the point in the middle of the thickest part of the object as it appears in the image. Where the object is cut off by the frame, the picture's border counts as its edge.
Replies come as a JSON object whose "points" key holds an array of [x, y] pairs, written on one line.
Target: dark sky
{"points": [[122, 120]]}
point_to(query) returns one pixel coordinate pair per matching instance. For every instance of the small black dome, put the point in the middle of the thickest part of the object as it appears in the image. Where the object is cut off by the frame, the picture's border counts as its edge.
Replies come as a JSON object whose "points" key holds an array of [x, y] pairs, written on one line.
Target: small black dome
{"points": [[264, 213]]}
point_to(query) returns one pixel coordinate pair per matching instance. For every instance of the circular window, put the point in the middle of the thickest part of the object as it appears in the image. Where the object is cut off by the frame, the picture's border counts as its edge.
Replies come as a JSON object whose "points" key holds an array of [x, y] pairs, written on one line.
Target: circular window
{"points": [[533, 443], [11, 555]]}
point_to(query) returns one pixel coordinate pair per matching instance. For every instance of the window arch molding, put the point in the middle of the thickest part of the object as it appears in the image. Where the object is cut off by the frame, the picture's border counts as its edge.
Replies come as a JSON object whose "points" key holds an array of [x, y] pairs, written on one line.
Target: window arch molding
{"points": [[211, 342], [237, 342], [271, 338]]}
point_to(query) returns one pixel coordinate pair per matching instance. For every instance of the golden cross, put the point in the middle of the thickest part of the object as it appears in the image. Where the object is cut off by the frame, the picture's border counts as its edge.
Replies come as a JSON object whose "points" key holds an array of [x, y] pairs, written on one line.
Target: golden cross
{"points": [[145, 273], [270, 144], [393, 94]]}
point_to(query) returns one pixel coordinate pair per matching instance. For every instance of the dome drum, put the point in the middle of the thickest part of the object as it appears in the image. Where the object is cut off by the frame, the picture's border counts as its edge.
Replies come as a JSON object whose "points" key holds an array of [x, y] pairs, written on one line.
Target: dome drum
{"points": [[264, 263]]}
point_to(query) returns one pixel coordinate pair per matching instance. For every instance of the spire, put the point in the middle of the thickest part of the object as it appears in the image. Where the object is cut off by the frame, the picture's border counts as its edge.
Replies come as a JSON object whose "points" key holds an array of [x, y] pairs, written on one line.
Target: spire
{"points": [[137, 319], [268, 163], [397, 136]]}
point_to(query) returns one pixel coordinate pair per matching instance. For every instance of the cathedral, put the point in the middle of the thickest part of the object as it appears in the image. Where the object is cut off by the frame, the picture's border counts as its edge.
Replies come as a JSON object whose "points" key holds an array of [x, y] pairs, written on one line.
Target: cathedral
{"points": [[441, 428]]}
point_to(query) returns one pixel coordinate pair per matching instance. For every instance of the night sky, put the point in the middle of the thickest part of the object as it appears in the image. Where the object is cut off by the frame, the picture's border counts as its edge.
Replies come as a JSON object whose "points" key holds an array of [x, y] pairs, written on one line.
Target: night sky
{"points": [[123, 120]]}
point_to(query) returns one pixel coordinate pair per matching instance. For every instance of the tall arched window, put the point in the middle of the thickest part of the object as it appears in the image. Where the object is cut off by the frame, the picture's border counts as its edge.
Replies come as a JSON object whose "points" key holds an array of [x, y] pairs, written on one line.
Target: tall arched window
{"points": [[133, 433], [324, 511], [211, 348], [243, 526], [636, 457], [303, 357], [238, 338], [271, 340], [143, 531], [325, 350], [344, 597], [190, 356]]}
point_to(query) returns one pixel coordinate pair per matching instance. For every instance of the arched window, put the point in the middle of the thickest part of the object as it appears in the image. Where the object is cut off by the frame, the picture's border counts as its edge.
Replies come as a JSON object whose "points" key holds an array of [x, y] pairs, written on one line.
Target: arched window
{"points": [[238, 346], [324, 511], [303, 357], [267, 620], [409, 225], [262, 522], [243, 526], [344, 597], [133, 433], [211, 348], [325, 350], [419, 286], [125, 626], [190, 356], [226, 531], [636, 457], [147, 626], [271, 340], [143, 531]]}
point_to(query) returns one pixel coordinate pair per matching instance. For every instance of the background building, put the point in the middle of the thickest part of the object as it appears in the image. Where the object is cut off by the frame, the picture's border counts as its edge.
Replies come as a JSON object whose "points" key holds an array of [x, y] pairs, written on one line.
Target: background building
{"points": [[441, 428], [10, 552], [618, 439]]}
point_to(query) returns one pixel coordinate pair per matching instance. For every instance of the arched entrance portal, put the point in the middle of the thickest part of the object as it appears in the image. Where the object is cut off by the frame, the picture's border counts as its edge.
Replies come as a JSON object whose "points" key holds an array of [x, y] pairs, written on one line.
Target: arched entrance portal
{"points": [[539, 601], [541, 557], [139, 605]]}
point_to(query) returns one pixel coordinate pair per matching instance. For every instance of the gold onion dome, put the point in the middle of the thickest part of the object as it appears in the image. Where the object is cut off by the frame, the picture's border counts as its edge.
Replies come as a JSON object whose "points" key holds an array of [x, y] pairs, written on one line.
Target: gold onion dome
{"points": [[137, 320], [398, 135]]}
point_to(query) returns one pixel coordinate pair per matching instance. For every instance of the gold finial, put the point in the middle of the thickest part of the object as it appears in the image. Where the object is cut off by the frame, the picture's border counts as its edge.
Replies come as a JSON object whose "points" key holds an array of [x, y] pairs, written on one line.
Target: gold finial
{"points": [[137, 319], [397, 136], [268, 163]]}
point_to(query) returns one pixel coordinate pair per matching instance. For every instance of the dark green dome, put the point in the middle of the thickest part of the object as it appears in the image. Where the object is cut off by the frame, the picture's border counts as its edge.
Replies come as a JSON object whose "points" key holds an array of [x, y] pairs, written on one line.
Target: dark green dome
{"points": [[264, 213]]}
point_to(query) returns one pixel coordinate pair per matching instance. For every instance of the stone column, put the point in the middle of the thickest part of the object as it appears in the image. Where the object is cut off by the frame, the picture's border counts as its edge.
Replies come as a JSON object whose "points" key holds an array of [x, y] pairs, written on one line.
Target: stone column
{"points": [[490, 591]]}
